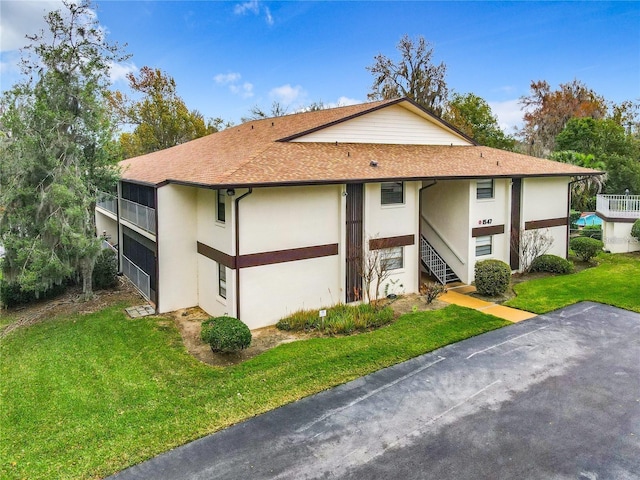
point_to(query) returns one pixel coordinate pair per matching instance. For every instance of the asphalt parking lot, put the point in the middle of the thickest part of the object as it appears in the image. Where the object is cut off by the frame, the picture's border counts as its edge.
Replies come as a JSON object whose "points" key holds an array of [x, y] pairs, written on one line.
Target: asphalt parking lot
{"points": [[554, 397]]}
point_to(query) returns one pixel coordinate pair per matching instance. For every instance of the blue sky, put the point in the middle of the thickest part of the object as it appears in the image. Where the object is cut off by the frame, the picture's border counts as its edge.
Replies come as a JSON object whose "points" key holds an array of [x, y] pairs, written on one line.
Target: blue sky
{"points": [[229, 56]]}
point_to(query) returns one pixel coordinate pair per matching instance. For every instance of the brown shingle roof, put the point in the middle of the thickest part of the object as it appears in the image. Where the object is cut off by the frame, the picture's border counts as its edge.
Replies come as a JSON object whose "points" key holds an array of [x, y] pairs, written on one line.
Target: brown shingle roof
{"points": [[250, 154]]}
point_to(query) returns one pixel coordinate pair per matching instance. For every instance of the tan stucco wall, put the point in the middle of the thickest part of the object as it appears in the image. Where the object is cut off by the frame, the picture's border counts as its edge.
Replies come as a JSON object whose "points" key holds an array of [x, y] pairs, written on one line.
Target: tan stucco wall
{"points": [[382, 221], [106, 222], [177, 255]]}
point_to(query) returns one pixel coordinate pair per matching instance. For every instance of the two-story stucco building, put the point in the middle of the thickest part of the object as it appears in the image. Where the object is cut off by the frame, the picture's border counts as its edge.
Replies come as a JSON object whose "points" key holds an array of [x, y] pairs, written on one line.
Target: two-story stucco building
{"points": [[274, 215]]}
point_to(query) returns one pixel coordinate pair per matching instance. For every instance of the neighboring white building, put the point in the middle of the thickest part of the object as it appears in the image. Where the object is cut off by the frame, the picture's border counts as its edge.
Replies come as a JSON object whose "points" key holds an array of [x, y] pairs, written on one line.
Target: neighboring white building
{"points": [[618, 213], [274, 215]]}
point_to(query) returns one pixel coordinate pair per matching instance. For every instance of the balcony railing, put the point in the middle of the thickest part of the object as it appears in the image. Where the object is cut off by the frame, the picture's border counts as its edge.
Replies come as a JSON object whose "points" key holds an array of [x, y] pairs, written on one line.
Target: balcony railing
{"points": [[618, 206], [108, 202], [137, 276], [140, 215]]}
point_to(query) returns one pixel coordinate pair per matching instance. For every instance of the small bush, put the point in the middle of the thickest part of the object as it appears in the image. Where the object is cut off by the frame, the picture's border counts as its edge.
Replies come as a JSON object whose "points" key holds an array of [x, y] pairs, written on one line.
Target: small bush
{"points": [[586, 248], [551, 264], [105, 271], [225, 334], [635, 229], [574, 216], [432, 290], [492, 277]]}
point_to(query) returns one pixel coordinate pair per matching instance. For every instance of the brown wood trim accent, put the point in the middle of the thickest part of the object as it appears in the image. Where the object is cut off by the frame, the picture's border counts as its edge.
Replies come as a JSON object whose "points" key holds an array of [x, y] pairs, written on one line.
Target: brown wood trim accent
{"points": [[616, 219], [491, 230], [549, 222], [389, 242], [290, 255], [216, 255]]}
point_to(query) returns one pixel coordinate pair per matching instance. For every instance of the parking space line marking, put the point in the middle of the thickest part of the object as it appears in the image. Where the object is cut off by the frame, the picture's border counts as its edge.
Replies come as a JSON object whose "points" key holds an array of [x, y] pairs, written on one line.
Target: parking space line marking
{"points": [[367, 395], [506, 341]]}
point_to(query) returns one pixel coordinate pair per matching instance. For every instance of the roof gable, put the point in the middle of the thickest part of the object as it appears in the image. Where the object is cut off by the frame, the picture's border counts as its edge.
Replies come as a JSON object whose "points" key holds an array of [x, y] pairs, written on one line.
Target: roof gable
{"points": [[395, 124]]}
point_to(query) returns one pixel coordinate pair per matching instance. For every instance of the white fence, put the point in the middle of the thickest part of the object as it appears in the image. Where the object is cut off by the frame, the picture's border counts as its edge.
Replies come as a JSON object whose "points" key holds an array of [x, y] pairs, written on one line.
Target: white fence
{"points": [[108, 202], [618, 206]]}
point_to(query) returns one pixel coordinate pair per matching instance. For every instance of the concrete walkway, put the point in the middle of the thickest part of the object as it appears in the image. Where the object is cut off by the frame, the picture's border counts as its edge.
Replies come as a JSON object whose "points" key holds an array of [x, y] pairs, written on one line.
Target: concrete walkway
{"points": [[460, 296]]}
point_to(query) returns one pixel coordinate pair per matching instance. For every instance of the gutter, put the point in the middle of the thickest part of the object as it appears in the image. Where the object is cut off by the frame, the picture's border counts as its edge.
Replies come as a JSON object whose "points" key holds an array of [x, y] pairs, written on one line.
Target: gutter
{"points": [[237, 253]]}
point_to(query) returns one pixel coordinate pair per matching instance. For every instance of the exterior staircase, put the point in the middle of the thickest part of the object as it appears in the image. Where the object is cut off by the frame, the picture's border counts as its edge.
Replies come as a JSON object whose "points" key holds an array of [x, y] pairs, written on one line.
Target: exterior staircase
{"points": [[435, 264]]}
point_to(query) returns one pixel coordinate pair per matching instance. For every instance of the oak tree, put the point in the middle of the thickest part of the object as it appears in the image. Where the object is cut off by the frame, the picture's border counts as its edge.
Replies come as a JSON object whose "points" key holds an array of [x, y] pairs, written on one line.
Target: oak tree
{"points": [[57, 152], [413, 75]]}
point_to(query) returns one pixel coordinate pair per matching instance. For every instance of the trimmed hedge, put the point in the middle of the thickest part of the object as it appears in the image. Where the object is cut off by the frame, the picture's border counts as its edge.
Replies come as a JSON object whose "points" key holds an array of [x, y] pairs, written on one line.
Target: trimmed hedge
{"points": [[225, 334], [635, 229], [551, 264], [492, 277], [586, 248]]}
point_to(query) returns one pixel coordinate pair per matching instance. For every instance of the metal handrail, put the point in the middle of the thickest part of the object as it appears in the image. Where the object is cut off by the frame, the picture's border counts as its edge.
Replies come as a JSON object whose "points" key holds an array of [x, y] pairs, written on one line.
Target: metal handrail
{"points": [[444, 242], [433, 261], [108, 202], [140, 215], [138, 277]]}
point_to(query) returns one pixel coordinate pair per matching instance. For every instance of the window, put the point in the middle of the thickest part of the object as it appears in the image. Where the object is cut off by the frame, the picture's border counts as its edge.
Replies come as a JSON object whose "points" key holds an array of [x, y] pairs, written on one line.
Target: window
{"points": [[222, 280], [484, 189], [221, 206], [483, 245], [392, 193], [392, 258], [138, 194]]}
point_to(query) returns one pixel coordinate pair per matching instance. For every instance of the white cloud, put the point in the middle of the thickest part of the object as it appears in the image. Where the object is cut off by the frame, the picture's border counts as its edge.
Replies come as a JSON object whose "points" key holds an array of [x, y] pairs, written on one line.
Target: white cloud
{"points": [[119, 71], [23, 18], [232, 80], [267, 16], [509, 114], [227, 78], [287, 95], [345, 101], [250, 6], [245, 90], [253, 6]]}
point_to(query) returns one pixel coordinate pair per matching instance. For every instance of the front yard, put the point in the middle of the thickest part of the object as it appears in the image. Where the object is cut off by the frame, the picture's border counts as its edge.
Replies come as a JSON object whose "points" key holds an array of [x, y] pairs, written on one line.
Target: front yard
{"points": [[83, 396]]}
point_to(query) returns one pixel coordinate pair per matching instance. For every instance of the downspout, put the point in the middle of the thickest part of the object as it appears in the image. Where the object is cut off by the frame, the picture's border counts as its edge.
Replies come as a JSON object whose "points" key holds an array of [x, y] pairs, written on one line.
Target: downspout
{"points": [[419, 239], [155, 200], [237, 253], [118, 190], [579, 179]]}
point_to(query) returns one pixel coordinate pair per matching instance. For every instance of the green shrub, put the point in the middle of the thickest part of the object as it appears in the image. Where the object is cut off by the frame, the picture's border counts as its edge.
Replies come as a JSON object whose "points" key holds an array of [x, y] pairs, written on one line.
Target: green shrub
{"points": [[225, 334], [551, 264], [105, 271], [635, 229], [592, 231], [586, 248], [12, 295], [339, 319], [492, 277]]}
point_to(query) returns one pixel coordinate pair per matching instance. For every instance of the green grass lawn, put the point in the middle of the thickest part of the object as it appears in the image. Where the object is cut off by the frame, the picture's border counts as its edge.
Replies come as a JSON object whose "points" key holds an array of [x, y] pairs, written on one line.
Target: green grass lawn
{"points": [[615, 281], [84, 397]]}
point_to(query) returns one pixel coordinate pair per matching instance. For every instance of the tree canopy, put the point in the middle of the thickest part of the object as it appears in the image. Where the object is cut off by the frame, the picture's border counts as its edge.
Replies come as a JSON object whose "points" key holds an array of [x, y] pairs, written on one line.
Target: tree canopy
{"points": [[472, 115], [161, 118], [56, 152], [414, 75], [546, 112]]}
